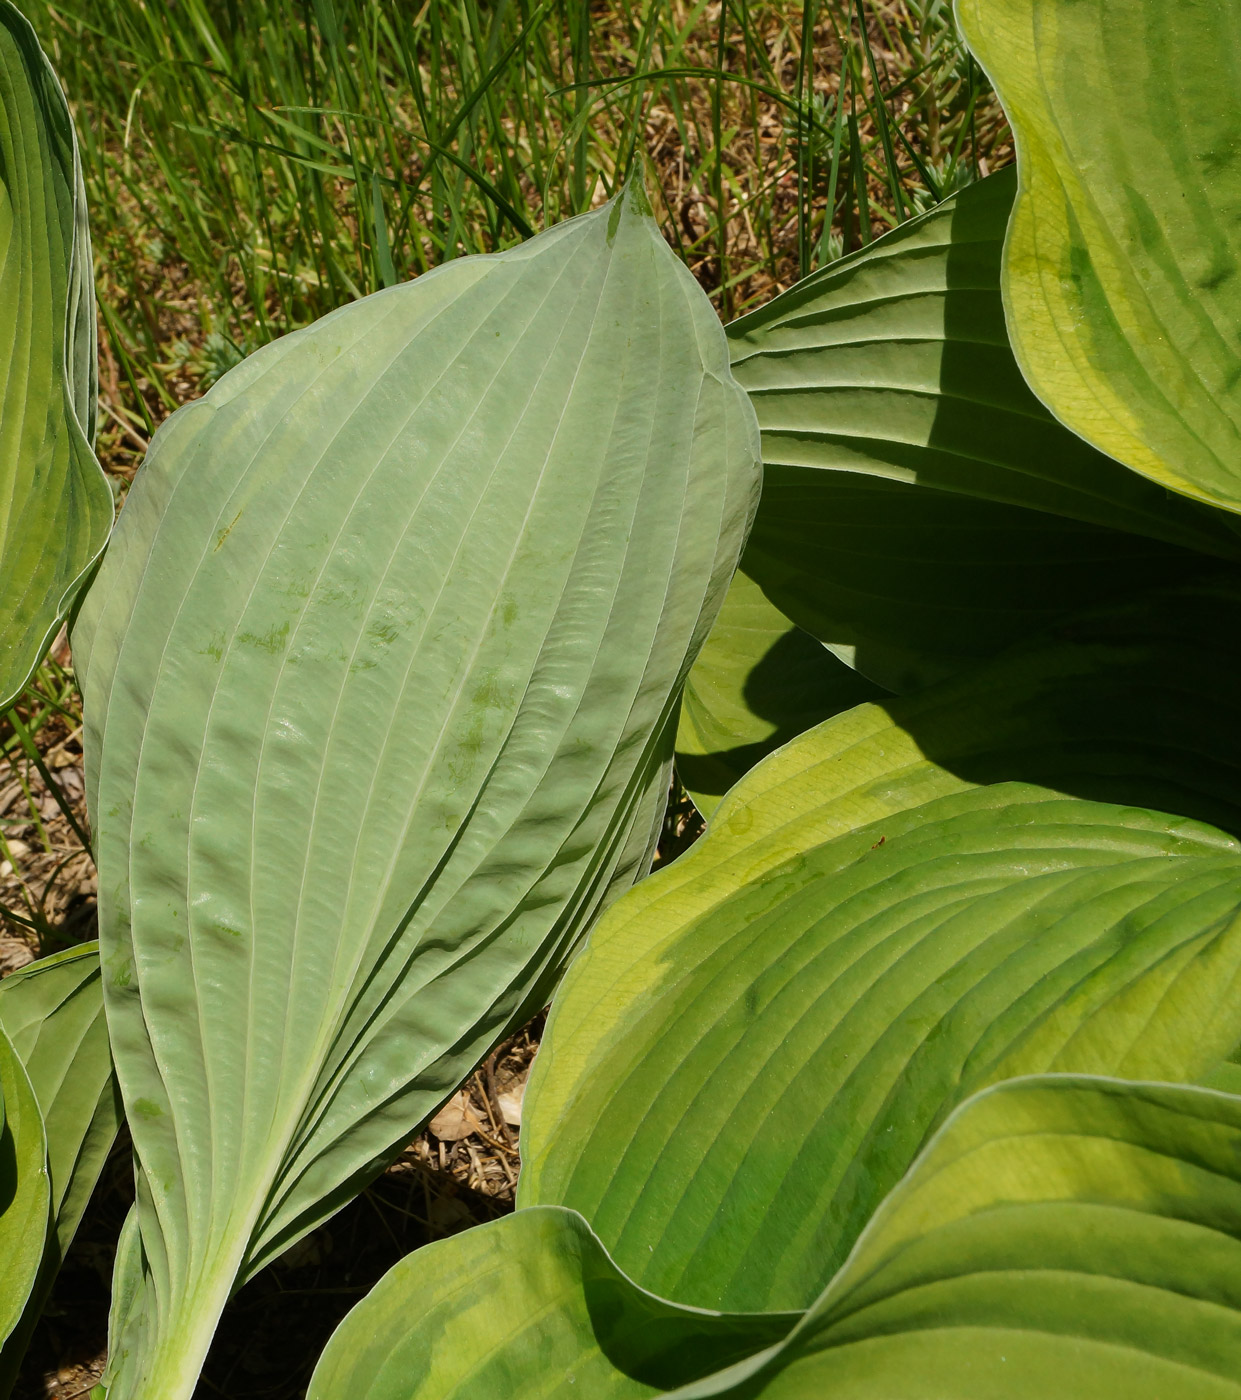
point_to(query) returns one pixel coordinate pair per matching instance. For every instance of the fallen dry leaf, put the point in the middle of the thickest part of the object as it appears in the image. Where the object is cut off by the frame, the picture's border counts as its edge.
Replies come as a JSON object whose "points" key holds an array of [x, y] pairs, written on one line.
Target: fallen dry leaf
{"points": [[509, 1103], [455, 1120]]}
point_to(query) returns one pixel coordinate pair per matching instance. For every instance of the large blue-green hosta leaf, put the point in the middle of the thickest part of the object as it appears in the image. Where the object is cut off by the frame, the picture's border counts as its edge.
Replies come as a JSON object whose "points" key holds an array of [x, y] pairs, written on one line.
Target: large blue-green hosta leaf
{"points": [[52, 1011], [1121, 266], [921, 508], [55, 505], [381, 681], [1060, 1236]]}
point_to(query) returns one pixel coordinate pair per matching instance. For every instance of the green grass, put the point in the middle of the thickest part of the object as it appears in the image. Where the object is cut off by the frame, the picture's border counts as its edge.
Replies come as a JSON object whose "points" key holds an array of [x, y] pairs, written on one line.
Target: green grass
{"points": [[252, 164]]}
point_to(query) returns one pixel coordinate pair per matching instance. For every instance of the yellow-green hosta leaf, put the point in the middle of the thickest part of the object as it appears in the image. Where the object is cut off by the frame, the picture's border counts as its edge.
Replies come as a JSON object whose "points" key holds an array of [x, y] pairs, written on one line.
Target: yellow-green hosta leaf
{"points": [[55, 504], [25, 1194], [1059, 1236], [528, 1306], [729, 1087], [381, 680], [732, 1079], [1121, 269], [759, 681], [1062, 1236], [921, 508], [52, 1012]]}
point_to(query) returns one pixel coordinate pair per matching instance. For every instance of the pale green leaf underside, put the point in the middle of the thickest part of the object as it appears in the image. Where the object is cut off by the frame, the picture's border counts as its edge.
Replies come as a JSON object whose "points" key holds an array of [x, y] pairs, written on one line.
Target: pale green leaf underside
{"points": [[1121, 267], [1059, 1236], [921, 508], [55, 505], [25, 1196], [52, 1012], [757, 683], [381, 680]]}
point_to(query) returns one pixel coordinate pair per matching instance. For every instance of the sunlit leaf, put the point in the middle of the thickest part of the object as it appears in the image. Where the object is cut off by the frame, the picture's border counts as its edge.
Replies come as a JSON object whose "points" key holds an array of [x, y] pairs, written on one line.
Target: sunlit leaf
{"points": [[1121, 270], [381, 679]]}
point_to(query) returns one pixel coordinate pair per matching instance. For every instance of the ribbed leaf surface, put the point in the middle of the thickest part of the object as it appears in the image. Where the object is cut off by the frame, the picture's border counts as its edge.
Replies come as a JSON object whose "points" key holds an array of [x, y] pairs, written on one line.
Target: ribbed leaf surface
{"points": [[1064, 1236], [52, 1011], [731, 1087], [25, 1195], [1069, 1237], [757, 683], [921, 508], [55, 505], [1121, 269], [382, 676]]}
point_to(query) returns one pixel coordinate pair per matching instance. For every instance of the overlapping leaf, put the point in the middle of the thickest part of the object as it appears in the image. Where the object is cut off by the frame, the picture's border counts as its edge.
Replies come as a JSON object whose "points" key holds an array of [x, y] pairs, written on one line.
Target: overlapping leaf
{"points": [[729, 1090], [52, 1013], [530, 1305], [1061, 1236], [381, 681], [25, 1195], [55, 505], [921, 508], [1064, 1235], [1121, 267], [748, 958]]}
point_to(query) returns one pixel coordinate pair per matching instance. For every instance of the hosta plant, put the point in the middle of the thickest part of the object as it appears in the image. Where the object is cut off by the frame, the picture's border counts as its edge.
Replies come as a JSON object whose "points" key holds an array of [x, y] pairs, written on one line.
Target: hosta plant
{"points": [[915, 1076], [916, 1073]]}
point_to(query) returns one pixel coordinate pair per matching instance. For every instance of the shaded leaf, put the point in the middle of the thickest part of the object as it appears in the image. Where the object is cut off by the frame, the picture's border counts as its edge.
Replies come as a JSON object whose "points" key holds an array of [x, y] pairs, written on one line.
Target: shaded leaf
{"points": [[921, 508], [757, 683], [25, 1195], [52, 1012]]}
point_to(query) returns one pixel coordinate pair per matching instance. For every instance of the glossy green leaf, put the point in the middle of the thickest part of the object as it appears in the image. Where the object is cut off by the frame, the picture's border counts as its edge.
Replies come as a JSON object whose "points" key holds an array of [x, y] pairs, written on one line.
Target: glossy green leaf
{"points": [[381, 681], [528, 1306], [1121, 267], [25, 1195], [757, 683], [55, 504], [921, 509], [52, 1012]]}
